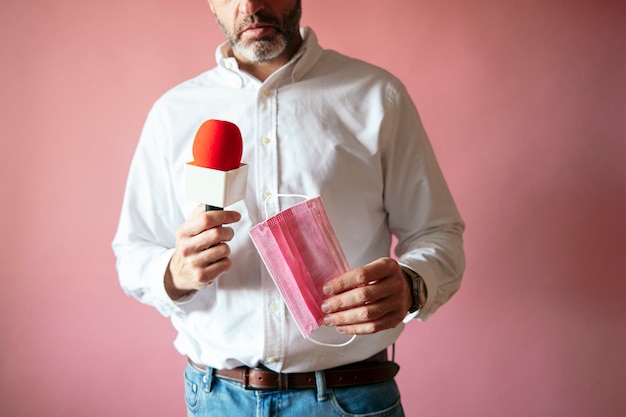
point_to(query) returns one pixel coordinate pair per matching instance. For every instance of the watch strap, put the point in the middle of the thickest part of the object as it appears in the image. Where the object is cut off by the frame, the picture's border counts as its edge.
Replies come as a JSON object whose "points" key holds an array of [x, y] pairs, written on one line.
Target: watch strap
{"points": [[418, 288]]}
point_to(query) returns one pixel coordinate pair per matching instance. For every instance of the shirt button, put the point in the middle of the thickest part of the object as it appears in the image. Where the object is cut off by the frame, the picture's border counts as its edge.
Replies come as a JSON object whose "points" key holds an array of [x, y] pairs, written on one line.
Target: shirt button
{"points": [[267, 93], [266, 141], [271, 360], [273, 306], [266, 195]]}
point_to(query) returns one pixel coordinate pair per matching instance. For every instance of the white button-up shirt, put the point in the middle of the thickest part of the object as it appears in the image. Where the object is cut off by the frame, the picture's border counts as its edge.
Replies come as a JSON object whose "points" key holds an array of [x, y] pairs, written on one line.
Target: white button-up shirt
{"points": [[324, 124]]}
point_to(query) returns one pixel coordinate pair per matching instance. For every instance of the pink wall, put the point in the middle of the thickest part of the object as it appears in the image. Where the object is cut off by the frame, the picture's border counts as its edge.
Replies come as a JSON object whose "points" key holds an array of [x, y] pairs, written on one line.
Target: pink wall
{"points": [[524, 102]]}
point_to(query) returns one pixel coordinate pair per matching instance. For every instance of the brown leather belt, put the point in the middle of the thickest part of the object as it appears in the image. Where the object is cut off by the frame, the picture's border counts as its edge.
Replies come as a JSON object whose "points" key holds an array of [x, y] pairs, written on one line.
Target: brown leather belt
{"points": [[360, 373]]}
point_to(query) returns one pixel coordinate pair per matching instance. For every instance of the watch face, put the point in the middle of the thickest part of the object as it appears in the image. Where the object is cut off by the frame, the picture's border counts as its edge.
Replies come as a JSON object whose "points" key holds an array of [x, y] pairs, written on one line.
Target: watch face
{"points": [[421, 292]]}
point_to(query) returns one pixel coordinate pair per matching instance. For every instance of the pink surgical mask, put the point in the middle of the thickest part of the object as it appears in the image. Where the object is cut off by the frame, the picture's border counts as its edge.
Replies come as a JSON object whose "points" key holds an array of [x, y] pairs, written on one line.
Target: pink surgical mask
{"points": [[301, 252]]}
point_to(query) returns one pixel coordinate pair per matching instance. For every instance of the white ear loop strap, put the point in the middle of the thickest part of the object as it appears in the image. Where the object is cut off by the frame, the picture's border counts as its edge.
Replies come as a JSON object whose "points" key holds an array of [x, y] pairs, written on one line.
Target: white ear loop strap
{"points": [[269, 197], [346, 343]]}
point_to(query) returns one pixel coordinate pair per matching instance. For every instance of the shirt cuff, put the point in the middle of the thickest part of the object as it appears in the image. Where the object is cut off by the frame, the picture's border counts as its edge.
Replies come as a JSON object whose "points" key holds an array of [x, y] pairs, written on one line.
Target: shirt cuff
{"points": [[160, 299]]}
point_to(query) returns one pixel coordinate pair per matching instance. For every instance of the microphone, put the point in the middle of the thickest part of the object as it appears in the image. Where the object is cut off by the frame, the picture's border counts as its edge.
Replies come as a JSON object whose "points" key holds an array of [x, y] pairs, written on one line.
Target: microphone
{"points": [[216, 176]]}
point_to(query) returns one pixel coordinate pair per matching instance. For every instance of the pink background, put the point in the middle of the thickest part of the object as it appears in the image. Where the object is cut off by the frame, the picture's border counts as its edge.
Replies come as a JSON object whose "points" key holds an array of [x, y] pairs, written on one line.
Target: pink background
{"points": [[524, 102]]}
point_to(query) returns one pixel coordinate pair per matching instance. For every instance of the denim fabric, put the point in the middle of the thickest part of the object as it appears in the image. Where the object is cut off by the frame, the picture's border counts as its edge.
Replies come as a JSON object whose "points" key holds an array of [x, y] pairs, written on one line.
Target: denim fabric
{"points": [[208, 396]]}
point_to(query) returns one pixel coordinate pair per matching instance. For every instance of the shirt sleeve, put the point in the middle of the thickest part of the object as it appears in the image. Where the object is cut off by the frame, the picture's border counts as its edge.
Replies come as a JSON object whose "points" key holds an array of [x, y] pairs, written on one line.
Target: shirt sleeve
{"points": [[145, 238], [422, 213]]}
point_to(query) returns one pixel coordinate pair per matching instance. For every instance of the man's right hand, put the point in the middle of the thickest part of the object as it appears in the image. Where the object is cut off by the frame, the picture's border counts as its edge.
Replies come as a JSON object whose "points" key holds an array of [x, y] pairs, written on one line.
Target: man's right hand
{"points": [[201, 253]]}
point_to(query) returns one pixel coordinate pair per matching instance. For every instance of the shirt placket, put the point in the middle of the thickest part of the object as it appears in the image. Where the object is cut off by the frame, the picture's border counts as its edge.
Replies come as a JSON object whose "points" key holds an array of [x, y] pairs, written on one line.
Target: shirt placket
{"points": [[267, 185]]}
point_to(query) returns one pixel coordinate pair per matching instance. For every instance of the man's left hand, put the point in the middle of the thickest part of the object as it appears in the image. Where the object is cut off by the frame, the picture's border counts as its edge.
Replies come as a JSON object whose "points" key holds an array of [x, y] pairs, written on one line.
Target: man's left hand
{"points": [[369, 299]]}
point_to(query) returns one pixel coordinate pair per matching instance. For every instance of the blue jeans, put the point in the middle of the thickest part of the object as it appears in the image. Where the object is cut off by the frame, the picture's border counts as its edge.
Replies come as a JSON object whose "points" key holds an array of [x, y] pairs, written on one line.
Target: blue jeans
{"points": [[209, 396]]}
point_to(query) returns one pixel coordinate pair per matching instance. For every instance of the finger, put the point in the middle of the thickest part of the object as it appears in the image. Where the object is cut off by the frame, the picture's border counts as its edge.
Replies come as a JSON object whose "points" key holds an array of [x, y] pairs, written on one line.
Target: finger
{"points": [[367, 319], [200, 221], [212, 237], [393, 286], [379, 269], [203, 267], [362, 314], [360, 296], [210, 256], [215, 269], [369, 327]]}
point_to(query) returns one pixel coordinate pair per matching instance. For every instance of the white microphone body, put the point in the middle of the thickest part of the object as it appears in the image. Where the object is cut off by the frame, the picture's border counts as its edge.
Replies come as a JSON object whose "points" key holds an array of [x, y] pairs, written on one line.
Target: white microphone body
{"points": [[213, 187]]}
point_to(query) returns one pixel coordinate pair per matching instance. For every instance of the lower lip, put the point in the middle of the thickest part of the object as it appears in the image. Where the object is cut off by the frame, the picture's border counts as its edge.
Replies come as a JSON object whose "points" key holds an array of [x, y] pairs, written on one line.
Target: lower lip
{"points": [[260, 31]]}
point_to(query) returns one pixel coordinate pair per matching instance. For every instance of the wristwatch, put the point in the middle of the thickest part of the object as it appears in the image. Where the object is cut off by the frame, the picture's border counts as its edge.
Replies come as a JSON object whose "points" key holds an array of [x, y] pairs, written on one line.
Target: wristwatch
{"points": [[418, 289]]}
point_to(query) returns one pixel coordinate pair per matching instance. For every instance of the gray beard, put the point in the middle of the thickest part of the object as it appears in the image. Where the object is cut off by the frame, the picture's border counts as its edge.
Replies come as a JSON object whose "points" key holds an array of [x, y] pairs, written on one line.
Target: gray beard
{"points": [[261, 51]]}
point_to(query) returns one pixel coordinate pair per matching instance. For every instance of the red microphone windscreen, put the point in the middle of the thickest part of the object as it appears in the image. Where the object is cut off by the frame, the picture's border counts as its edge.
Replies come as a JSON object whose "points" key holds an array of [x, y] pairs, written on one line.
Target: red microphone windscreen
{"points": [[218, 145]]}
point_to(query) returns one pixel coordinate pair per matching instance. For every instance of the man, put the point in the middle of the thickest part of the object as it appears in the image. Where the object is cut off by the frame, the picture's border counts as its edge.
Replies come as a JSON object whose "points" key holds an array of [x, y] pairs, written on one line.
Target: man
{"points": [[314, 122]]}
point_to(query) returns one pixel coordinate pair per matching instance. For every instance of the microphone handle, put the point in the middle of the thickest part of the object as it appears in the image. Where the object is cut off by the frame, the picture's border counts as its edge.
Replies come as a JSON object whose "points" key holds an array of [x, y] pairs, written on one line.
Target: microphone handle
{"points": [[209, 207]]}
